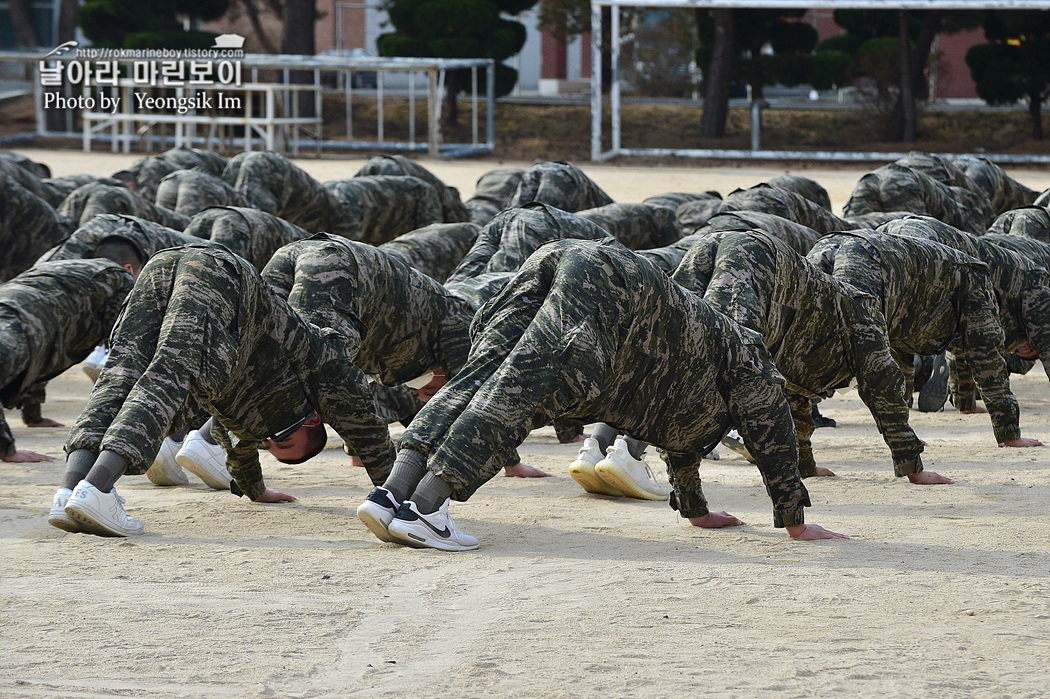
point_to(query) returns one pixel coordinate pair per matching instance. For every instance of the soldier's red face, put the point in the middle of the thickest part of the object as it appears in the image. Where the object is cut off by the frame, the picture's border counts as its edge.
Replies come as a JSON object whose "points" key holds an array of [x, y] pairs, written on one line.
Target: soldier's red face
{"points": [[1027, 352], [427, 392]]}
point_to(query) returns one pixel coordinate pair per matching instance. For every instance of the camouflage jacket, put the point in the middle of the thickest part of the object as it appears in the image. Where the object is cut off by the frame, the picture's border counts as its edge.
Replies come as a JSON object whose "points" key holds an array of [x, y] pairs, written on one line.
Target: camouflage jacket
{"points": [[933, 298], [1028, 221], [145, 174], [559, 184], [796, 236], [434, 250], [820, 332], [29, 226], [188, 192], [794, 207], [93, 199], [492, 193], [1003, 191], [248, 233], [803, 186], [452, 208], [638, 226], [147, 235], [380, 208], [398, 323]]}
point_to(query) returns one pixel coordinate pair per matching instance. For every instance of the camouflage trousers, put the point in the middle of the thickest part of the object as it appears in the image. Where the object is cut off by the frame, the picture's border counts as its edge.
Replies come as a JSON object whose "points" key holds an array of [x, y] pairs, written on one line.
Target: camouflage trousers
{"points": [[168, 344], [522, 374]]}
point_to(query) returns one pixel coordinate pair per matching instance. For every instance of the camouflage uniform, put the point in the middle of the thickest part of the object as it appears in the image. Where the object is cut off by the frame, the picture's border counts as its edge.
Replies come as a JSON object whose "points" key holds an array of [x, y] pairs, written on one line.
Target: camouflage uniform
{"points": [[248, 233], [874, 219], [561, 185], [149, 237], [452, 208], [1021, 287], [1003, 191], [68, 184], [28, 179], [1043, 199], [670, 256], [673, 200], [272, 183], [1027, 221], [589, 330], [933, 298], [398, 323], [694, 215], [895, 187], [37, 170], [144, 175], [29, 226], [378, 209], [478, 290], [434, 250], [51, 317], [189, 192], [202, 330], [508, 240], [821, 333], [802, 186], [794, 207], [796, 236], [638, 226], [492, 192], [93, 199]]}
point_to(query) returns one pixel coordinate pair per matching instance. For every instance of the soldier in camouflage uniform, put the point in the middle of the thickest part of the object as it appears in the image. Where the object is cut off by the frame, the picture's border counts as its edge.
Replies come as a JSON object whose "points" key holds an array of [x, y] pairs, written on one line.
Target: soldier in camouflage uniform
{"points": [[50, 319], [27, 178], [272, 183], [248, 233], [29, 226], [492, 193], [452, 208], [378, 209], [64, 186], [93, 199], [810, 189], [587, 329], [188, 192], [1027, 221], [638, 226], [145, 174], [147, 236], [37, 170], [508, 240], [1021, 287], [796, 236], [694, 215], [202, 329], [434, 250], [768, 199], [821, 333], [895, 187], [932, 297], [561, 185], [1003, 191]]}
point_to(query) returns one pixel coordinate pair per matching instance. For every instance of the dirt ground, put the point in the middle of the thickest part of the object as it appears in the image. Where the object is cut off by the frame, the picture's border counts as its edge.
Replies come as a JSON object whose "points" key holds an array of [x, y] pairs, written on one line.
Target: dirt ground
{"points": [[943, 591]]}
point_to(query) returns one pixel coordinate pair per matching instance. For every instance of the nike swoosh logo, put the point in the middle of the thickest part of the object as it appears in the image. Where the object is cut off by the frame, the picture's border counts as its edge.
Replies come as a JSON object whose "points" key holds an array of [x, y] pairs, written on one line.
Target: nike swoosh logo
{"points": [[443, 533]]}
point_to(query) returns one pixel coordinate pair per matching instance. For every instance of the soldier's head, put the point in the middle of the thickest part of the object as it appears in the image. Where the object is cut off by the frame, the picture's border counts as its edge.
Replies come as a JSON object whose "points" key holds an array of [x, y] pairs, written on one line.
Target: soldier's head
{"points": [[1027, 351], [302, 444], [124, 251], [424, 387]]}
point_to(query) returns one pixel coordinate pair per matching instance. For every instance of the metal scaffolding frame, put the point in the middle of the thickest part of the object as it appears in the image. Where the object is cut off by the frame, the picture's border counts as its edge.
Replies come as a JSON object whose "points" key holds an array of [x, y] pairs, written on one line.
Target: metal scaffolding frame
{"points": [[756, 153]]}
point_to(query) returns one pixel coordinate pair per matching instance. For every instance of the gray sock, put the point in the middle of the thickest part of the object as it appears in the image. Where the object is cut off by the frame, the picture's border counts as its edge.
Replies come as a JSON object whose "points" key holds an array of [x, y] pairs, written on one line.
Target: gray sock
{"points": [[78, 464], [605, 435], [430, 493], [409, 468], [205, 431], [109, 466], [635, 447]]}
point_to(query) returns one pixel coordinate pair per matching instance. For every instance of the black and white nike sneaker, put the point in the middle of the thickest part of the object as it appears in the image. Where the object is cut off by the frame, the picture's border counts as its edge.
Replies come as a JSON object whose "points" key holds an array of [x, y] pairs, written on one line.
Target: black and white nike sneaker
{"points": [[377, 511], [436, 531]]}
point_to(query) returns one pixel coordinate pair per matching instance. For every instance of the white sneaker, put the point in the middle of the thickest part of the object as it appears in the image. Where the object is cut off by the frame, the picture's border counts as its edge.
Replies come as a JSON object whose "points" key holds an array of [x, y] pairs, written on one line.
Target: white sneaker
{"points": [[101, 513], [630, 475], [165, 470], [436, 531], [733, 442], [204, 460], [95, 362], [57, 517], [377, 511], [582, 470]]}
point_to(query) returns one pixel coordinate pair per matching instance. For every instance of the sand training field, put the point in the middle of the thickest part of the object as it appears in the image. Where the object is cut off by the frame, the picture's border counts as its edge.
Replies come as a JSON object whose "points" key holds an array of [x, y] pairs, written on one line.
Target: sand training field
{"points": [[944, 591]]}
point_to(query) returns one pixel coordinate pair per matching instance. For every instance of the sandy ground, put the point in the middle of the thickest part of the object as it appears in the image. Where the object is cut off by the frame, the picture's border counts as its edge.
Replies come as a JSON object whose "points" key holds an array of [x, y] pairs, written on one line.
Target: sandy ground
{"points": [[942, 592]]}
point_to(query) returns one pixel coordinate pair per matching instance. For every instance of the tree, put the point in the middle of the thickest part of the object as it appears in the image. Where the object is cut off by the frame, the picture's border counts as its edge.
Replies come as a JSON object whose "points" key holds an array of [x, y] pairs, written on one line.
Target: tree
{"points": [[1015, 64], [21, 12], [134, 24], [457, 29]]}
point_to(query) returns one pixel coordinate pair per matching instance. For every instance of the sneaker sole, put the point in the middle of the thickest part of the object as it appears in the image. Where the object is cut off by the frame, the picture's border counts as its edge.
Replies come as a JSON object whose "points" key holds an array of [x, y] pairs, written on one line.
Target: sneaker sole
{"points": [[934, 392], [64, 522], [583, 473], [738, 449], [614, 475], [158, 476], [370, 515], [200, 472], [409, 536], [89, 524]]}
